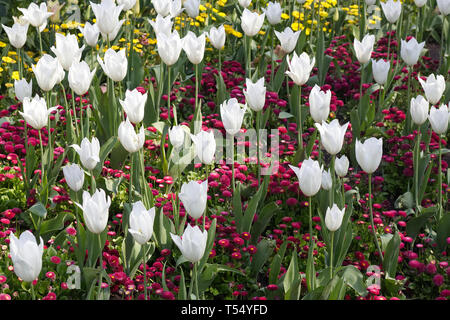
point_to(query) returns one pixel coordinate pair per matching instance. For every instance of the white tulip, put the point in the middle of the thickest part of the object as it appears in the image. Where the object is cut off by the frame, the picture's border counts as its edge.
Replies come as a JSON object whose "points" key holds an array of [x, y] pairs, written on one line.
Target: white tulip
{"points": [[392, 10], [35, 112], [162, 25], [232, 113], [141, 223], [127, 4], [194, 47], [439, 119], [244, 3], [176, 136], [380, 70], [175, 8], [309, 177], [433, 87], [169, 47], [113, 34], [251, 22], [48, 72], [134, 105], [273, 12], [114, 64], [288, 39], [26, 255], [419, 110], [444, 6], [327, 181], [192, 244], [364, 48], [74, 176], [370, 2], [23, 89], [130, 140], [80, 77], [36, 15], [420, 3], [410, 51], [341, 166], [95, 210], [255, 94], [333, 218], [192, 8], [369, 154], [217, 37], [107, 16], [300, 68], [67, 50], [332, 135], [194, 196], [17, 34], [205, 146], [90, 33], [88, 152], [162, 7], [319, 104]]}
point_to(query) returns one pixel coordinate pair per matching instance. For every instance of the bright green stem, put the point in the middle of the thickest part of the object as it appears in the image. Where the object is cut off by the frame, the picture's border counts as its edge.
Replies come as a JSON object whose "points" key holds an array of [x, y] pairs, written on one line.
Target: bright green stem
{"points": [[333, 178], [249, 58], [220, 63], [272, 66], [144, 265], [360, 89], [40, 41], [258, 125], [204, 213], [311, 241], [440, 179], [371, 218], [19, 61], [299, 119], [100, 277], [33, 295], [42, 156], [233, 181], [130, 189], [408, 114], [93, 183], [389, 43], [331, 254], [343, 191], [416, 171], [196, 280], [196, 87], [169, 87]]}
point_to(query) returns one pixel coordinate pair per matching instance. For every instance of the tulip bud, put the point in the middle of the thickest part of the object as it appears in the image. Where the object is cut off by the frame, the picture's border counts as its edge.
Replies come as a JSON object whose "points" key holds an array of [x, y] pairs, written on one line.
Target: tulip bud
{"points": [[439, 119], [192, 8], [380, 70], [332, 135], [363, 49], [217, 37], [434, 87], [369, 153], [36, 15], [194, 47], [420, 3], [341, 166], [162, 25], [17, 34], [194, 195], [176, 136], [319, 104], [131, 141], [309, 177], [88, 152], [205, 146], [251, 22], [141, 223], [288, 39], [107, 16], [90, 33], [419, 110], [244, 3], [74, 176], [169, 47], [273, 12], [23, 89], [80, 77], [95, 210], [192, 244], [115, 64], [162, 7], [255, 94], [333, 218], [134, 105], [327, 181], [300, 68], [410, 51], [392, 10], [232, 113], [48, 72], [55, 7], [127, 4], [26, 255], [175, 8], [444, 7], [35, 112]]}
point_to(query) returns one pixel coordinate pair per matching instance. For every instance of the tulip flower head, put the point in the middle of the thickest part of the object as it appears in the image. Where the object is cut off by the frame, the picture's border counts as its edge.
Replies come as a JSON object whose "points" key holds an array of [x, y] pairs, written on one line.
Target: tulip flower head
{"points": [[244, 3], [369, 154], [192, 8], [332, 135], [205, 146], [107, 16], [327, 181], [433, 87], [251, 22], [126, 4], [273, 12], [36, 15], [67, 50], [23, 89], [341, 166], [175, 8], [194, 195], [439, 119], [130, 140], [288, 39], [392, 10], [95, 210], [35, 112], [333, 218], [300, 68], [232, 113], [217, 37], [192, 244], [194, 47], [176, 136], [420, 3], [364, 48], [410, 51], [169, 47], [48, 72], [17, 34], [80, 77], [444, 7], [380, 70], [309, 177], [162, 7], [89, 152], [255, 94], [74, 176], [114, 64], [26, 255], [134, 105], [319, 104], [162, 25], [141, 223], [419, 110], [90, 34]]}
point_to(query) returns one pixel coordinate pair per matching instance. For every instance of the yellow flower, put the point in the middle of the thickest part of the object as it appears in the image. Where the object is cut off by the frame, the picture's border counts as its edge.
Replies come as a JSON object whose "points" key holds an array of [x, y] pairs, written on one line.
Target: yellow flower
{"points": [[222, 14], [9, 85], [2, 44], [15, 75], [284, 16], [8, 60]]}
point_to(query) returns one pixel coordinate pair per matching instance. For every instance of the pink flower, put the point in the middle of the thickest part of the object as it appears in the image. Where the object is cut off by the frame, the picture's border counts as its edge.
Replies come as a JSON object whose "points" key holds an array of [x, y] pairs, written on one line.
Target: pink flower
{"points": [[438, 280], [55, 259]]}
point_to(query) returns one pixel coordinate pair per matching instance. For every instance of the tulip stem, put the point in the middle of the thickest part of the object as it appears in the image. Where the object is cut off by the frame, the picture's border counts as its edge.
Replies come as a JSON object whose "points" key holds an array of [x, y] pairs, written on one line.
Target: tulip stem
{"points": [[343, 191], [42, 155], [371, 218], [331, 254], [130, 190], [196, 93], [300, 122], [144, 266], [389, 42], [333, 178], [40, 40], [33, 294], [196, 280], [408, 114], [19, 61], [272, 65], [233, 183], [258, 125], [93, 183], [100, 278], [440, 178], [75, 114], [169, 87], [204, 214], [416, 170], [249, 58]]}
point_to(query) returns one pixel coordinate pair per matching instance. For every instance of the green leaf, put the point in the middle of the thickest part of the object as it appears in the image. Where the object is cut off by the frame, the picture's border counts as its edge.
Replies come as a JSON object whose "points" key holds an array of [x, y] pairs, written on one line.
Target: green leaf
{"points": [[276, 264], [182, 294], [292, 281], [284, 115], [354, 279], [209, 244], [263, 253], [280, 76], [405, 201], [415, 224], [39, 210], [443, 232], [55, 224], [263, 220], [391, 256]]}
